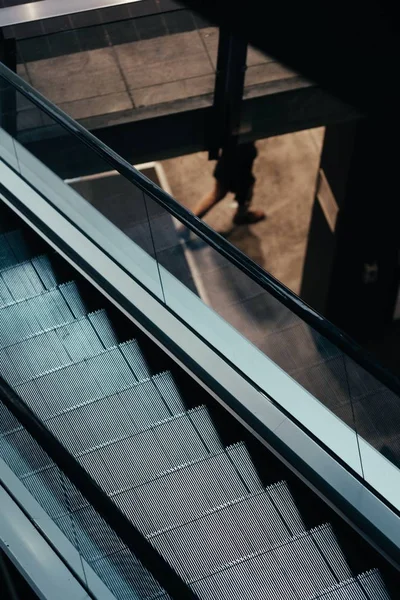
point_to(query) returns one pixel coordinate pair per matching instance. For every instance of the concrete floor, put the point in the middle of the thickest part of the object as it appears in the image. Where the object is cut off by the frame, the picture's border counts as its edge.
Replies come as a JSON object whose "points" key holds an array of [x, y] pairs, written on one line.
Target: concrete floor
{"points": [[286, 169]]}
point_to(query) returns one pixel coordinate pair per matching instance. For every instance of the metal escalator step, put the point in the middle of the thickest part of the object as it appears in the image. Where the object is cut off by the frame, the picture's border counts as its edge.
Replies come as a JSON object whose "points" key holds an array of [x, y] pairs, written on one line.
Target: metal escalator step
{"points": [[227, 587], [45, 271], [202, 421], [32, 357], [93, 424], [286, 506], [5, 294], [192, 490], [304, 566], [78, 383], [22, 454], [206, 544], [126, 578], [147, 454], [8, 422], [346, 590], [50, 350], [328, 545], [7, 258], [22, 281], [260, 521], [135, 359], [13, 249], [181, 441], [242, 460], [373, 585], [59, 390], [253, 579], [18, 245], [25, 318], [225, 535], [73, 298], [104, 328], [144, 404], [111, 371], [79, 339], [94, 537], [169, 391]]}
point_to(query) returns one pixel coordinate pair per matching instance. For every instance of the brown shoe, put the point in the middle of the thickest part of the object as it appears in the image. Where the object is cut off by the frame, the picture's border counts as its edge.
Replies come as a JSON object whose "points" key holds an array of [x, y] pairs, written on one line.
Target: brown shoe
{"points": [[249, 218]]}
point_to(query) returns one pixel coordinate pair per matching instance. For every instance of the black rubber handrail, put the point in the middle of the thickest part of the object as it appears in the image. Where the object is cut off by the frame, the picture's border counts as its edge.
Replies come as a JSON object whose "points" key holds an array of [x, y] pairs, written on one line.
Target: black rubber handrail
{"points": [[140, 547], [207, 234]]}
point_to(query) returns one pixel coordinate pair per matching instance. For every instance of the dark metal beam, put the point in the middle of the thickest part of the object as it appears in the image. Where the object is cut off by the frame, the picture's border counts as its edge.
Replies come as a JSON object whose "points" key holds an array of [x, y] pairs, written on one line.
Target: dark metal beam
{"points": [[349, 48]]}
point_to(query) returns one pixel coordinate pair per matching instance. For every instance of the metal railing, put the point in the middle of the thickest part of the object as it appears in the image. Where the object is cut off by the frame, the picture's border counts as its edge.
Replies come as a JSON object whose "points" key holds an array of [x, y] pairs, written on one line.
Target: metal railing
{"points": [[207, 234]]}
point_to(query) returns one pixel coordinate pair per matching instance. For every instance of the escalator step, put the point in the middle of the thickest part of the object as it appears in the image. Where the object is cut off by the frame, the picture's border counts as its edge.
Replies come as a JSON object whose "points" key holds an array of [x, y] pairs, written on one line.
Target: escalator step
{"points": [[54, 492], [135, 359], [13, 249], [347, 590], [219, 541], [104, 328], [50, 350], [22, 454], [111, 371], [202, 421], [373, 585], [45, 271], [94, 537], [285, 504], [144, 404], [78, 383], [5, 294], [59, 390], [8, 422], [304, 566], [73, 298], [148, 454], [242, 460], [22, 281], [190, 491], [29, 317], [169, 391], [263, 505], [122, 574], [326, 541]]}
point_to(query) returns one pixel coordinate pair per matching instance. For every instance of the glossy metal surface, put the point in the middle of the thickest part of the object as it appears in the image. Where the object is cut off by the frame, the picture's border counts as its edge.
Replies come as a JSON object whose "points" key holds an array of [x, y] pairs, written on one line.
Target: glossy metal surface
{"points": [[47, 9]]}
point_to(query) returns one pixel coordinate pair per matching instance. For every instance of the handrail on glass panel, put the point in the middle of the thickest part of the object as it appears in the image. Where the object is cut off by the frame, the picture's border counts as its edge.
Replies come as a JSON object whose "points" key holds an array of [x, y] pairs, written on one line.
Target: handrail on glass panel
{"points": [[207, 234]]}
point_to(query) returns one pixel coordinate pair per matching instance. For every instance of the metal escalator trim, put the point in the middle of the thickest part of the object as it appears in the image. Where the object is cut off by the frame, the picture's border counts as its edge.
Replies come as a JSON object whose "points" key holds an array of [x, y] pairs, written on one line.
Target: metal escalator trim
{"points": [[294, 445], [42, 569], [48, 530], [133, 539], [206, 233]]}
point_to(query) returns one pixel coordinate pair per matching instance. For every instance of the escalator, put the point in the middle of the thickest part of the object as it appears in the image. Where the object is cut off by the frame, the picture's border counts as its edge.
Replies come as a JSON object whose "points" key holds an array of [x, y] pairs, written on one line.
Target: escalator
{"points": [[211, 510], [163, 464]]}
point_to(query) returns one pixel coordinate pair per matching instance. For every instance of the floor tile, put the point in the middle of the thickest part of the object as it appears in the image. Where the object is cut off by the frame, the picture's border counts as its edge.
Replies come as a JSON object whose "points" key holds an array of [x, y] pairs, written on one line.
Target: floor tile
{"points": [[77, 76], [210, 36], [256, 57], [152, 26], [267, 72], [162, 60], [179, 21], [175, 90], [102, 105]]}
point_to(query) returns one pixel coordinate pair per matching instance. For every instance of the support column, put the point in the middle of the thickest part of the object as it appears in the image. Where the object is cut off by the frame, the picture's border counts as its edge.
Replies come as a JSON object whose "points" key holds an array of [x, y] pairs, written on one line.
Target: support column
{"points": [[8, 96], [228, 92], [351, 271]]}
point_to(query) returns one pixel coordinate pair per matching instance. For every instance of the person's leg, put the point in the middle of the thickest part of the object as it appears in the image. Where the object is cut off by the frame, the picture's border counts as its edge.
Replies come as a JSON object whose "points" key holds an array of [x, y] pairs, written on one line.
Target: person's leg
{"points": [[218, 192], [244, 215]]}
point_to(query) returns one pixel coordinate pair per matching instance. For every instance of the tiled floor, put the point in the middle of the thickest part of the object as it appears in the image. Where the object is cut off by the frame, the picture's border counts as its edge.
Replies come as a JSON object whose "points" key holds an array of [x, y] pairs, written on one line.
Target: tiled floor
{"points": [[113, 69]]}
